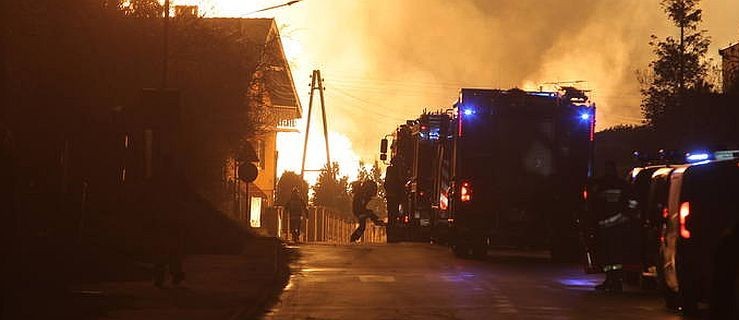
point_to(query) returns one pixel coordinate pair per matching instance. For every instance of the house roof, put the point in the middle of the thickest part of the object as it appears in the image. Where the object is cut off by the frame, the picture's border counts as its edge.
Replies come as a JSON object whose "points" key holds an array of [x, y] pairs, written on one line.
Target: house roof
{"points": [[275, 68], [731, 49]]}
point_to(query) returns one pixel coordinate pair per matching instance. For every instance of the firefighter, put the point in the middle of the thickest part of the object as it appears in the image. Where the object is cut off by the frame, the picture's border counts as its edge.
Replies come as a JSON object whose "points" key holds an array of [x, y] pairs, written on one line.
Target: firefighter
{"points": [[610, 204], [296, 209], [362, 197]]}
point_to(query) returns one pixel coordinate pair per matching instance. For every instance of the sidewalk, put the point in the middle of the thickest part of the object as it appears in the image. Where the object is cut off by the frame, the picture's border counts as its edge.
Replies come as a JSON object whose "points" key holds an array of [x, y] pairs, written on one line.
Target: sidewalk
{"points": [[216, 287]]}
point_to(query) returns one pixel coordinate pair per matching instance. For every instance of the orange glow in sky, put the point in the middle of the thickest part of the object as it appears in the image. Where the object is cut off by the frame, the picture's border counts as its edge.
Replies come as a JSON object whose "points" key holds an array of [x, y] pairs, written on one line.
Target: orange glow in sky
{"points": [[384, 61]]}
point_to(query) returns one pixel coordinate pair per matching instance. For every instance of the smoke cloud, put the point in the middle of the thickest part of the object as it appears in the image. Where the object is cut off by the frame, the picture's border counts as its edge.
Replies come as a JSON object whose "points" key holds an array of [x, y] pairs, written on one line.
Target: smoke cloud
{"points": [[384, 61]]}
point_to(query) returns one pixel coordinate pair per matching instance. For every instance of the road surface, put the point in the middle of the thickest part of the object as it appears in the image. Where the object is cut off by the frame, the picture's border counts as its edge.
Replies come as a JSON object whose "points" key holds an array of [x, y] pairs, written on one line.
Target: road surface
{"points": [[422, 281]]}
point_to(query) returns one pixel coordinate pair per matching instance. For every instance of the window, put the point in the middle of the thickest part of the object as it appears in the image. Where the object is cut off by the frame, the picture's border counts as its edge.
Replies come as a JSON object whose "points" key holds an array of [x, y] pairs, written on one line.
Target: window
{"points": [[261, 154]]}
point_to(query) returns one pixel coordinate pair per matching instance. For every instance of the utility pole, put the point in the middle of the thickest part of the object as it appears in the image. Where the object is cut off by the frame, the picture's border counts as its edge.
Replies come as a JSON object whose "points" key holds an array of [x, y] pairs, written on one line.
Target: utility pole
{"points": [[165, 44], [316, 84]]}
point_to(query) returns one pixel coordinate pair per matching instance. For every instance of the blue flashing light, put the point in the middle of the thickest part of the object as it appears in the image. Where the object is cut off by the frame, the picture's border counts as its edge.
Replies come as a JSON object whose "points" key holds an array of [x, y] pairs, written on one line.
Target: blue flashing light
{"points": [[469, 112], [434, 133], [585, 116], [694, 157], [699, 163]]}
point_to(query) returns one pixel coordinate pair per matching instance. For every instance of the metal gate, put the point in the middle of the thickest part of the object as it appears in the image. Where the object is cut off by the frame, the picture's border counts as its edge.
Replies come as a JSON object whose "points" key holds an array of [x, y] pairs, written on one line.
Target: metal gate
{"points": [[324, 225]]}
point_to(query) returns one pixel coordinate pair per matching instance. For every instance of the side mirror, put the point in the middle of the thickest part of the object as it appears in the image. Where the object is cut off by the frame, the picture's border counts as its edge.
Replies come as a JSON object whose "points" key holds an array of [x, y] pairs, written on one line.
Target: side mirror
{"points": [[383, 149]]}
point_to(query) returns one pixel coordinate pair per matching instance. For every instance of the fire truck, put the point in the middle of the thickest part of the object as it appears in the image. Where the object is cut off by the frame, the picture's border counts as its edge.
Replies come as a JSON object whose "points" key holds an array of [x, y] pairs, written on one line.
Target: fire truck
{"points": [[415, 180], [506, 168]]}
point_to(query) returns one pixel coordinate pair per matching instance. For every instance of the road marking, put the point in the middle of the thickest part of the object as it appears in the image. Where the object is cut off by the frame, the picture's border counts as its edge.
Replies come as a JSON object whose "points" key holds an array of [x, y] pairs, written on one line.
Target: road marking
{"points": [[375, 278], [507, 310]]}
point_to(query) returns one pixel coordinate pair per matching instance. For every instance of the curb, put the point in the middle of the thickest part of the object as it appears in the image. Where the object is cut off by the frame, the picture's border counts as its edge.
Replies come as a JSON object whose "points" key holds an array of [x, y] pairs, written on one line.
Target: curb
{"points": [[271, 294]]}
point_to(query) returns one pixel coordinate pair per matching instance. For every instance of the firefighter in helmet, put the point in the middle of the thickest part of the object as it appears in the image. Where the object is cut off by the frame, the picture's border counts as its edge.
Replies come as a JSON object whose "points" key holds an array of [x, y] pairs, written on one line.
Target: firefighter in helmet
{"points": [[296, 209], [611, 204], [362, 197]]}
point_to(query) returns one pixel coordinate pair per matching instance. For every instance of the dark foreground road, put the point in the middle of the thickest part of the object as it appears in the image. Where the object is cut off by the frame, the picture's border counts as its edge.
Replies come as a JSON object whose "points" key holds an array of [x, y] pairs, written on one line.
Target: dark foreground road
{"points": [[421, 281]]}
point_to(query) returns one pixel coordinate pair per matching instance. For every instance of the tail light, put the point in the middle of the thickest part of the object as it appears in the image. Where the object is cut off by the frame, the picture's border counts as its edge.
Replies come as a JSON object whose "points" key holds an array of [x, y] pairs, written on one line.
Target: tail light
{"points": [[465, 192], [585, 194], [443, 201], [406, 219], [684, 213]]}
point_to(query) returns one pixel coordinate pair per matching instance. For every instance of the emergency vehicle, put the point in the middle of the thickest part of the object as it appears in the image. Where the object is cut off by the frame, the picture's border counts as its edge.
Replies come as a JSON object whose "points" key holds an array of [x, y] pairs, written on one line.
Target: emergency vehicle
{"points": [[698, 252], [685, 230], [414, 155], [507, 168]]}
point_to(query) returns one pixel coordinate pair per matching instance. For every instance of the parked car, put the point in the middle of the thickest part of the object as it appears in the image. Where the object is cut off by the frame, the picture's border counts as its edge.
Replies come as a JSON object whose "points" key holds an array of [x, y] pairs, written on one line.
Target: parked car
{"points": [[698, 241]]}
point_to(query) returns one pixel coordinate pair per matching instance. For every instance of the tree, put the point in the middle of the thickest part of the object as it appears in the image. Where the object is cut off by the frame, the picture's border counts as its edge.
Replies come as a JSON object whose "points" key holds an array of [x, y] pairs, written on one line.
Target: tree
{"points": [[378, 205], [680, 65], [332, 192], [730, 57], [285, 185], [139, 8]]}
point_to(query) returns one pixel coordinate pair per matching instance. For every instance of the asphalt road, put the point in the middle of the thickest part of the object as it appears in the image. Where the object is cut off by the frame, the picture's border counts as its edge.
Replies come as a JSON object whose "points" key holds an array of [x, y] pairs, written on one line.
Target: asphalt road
{"points": [[422, 281]]}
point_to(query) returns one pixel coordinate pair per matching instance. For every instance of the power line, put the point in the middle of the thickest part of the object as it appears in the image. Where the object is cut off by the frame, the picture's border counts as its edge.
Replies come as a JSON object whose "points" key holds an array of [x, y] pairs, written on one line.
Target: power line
{"points": [[370, 110], [273, 7]]}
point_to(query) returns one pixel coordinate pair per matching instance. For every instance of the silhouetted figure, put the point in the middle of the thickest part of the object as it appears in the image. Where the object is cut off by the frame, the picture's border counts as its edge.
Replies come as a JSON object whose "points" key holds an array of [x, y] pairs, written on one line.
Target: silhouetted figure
{"points": [[169, 223], [295, 207], [610, 203], [362, 197]]}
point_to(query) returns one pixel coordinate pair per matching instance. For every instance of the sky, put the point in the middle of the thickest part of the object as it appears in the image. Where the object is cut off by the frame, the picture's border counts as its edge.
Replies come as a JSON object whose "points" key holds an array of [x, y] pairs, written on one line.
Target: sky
{"points": [[384, 61]]}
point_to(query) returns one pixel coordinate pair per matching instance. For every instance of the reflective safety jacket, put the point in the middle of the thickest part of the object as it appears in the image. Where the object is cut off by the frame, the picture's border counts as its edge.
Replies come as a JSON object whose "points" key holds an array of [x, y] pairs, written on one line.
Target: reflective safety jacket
{"points": [[611, 201]]}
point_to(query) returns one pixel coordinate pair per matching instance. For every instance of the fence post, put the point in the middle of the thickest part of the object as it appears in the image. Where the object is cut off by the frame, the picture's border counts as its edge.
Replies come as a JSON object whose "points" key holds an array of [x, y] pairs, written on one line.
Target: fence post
{"points": [[315, 226], [346, 230], [305, 226], [324, 224], [279, 223], [308, 229], [287, 228]]}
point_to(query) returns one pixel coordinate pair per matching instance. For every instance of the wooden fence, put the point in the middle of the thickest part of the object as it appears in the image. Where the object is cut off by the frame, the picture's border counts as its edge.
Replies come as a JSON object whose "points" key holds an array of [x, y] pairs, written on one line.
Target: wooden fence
{"points": [[325, 225]]}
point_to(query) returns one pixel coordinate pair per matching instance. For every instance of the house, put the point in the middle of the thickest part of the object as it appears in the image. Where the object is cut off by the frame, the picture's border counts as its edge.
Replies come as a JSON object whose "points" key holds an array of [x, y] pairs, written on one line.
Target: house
{"points": [[730, 67], [271, 92]]}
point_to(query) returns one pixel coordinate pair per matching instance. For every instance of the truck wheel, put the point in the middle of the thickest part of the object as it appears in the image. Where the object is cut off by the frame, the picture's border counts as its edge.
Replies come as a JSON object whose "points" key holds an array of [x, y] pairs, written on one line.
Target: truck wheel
{"points": [[672, 301], [564, 250], [724, 297], [688, 297], [480, 251], [461, 251], [689, 285], [647, 283], [392, 235], [671, 298], [632, 277]]}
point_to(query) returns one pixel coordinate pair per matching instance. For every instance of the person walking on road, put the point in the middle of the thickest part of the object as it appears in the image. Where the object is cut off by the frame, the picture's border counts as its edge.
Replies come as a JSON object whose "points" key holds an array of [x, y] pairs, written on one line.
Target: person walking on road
{"points": [[362, 197], [168, 223], [296, 209], [611, 204]]}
